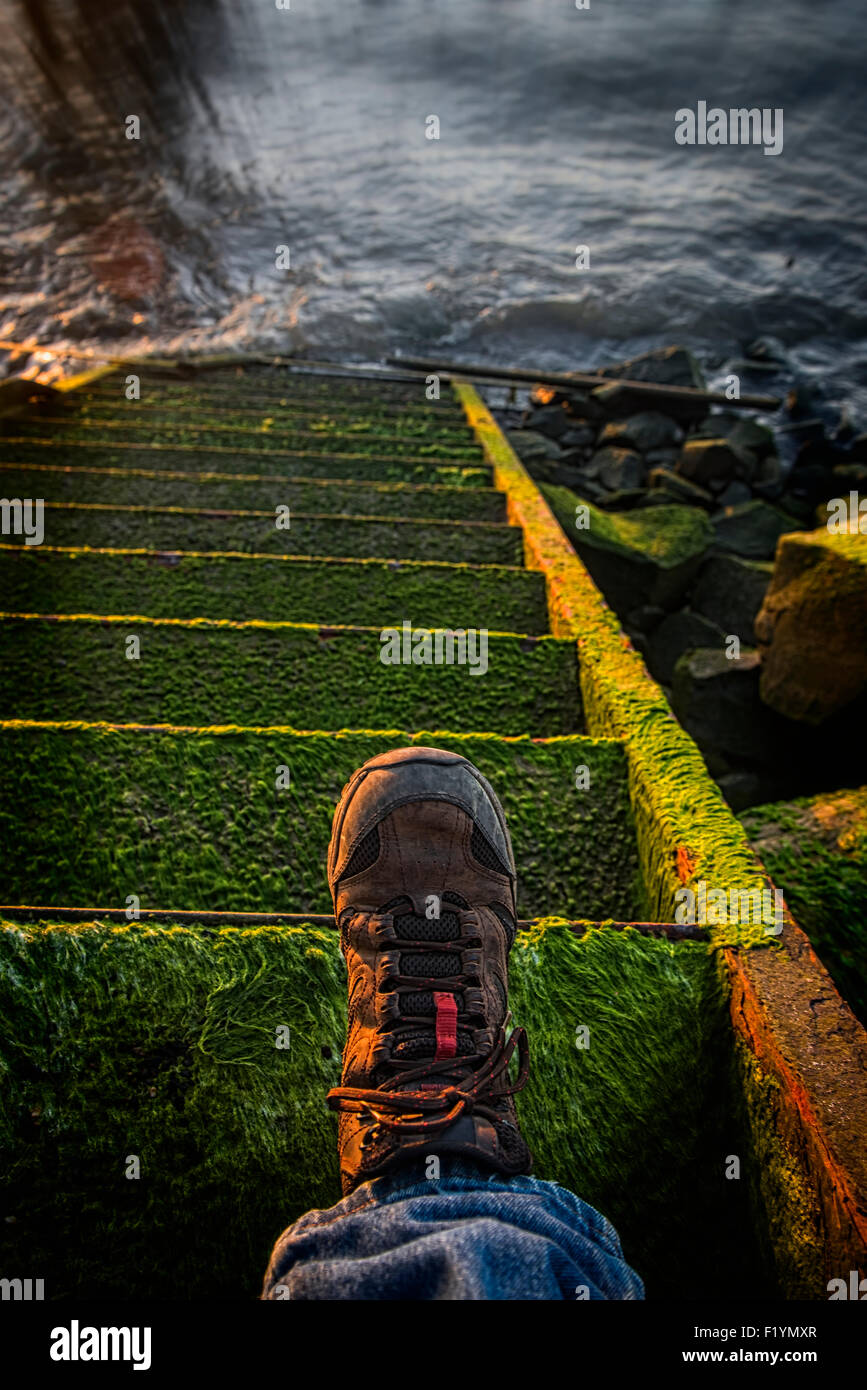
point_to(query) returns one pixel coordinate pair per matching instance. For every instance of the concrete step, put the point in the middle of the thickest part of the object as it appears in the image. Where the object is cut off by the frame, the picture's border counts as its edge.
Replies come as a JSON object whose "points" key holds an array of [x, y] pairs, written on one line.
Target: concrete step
{"points": [[174, 528], [275, 588], [384, 468], [211, 672], [198, 817], [127, 487]]}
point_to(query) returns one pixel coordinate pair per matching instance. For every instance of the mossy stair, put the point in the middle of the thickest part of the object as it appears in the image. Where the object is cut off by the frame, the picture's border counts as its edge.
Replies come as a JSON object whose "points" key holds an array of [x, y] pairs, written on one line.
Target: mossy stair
{"points": [[200, 775]]}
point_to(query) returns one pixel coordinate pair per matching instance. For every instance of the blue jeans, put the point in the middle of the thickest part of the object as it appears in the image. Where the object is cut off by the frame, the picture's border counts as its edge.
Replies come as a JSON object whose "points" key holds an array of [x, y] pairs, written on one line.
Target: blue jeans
{"points": [[469, 1234]]}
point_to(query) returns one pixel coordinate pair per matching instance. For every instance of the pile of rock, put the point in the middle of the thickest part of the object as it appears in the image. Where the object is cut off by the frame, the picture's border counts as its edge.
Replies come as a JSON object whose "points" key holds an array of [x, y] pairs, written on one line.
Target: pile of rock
{"points": [[677, 514]]}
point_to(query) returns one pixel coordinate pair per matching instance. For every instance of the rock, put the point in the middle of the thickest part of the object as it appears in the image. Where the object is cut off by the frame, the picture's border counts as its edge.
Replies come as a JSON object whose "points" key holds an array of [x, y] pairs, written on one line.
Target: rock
{"points": [[717, 425], [578, 437], [529, 445], [768, 481], [733, 494], [801, 508], [751, 529], [743, 789], [716, 698], [713, 463], [672, 366], [582, 406], [849, 477], [802, 429], [680, 489], [616, 401], [729, 592], [624, 500], [815, 484], [665, 458], [647, 556], [819, 452], [676, 634], [617, 468], [749, 434], [647, 430], [812, 626], [645, 619], [550, 420]]}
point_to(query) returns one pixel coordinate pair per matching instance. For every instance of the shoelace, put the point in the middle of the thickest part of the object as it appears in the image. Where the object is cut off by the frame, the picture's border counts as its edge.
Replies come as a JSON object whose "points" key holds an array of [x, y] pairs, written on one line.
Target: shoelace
{"points": [[419, 1111]]}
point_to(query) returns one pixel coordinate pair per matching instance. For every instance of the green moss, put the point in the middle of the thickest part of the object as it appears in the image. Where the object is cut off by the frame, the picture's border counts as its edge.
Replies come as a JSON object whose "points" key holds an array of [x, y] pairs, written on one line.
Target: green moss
{"points": [[401, 429], [667, 535], [815, 850], [276, 588], [150, 488], [194, 819], [226, 458], [474, 542], [265, 441], [162, 1045], [218, 673]]}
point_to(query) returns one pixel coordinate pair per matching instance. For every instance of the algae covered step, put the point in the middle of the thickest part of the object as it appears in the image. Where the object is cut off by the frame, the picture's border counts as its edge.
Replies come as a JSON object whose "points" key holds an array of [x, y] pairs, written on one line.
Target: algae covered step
{"points": [[240, 819], [173, 432], [279, 420], [274, 588], [417, 413], [225, 491], [280, 531], [310, 677], [387, 468], [169, 1044], [252, 383]]}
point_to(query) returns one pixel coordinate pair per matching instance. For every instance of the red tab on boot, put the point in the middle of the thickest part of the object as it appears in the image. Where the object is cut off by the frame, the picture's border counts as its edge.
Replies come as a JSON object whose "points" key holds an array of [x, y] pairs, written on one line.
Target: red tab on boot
{"points": [[447, 1026]]}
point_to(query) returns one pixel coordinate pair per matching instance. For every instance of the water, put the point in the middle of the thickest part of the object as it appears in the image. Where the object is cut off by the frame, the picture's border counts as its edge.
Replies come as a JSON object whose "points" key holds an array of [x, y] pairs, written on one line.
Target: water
{"points": [[306, 128]]}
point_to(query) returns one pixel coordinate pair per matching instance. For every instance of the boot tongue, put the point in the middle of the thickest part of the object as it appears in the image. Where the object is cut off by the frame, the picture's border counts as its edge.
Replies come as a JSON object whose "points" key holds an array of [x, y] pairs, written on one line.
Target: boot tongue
{"points": [[441, 1038]]}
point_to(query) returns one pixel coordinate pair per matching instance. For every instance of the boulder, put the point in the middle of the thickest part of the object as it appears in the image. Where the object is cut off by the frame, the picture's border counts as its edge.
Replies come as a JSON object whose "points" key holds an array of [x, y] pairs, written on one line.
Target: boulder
{"points": [[624, 499], [617, 468], [768, 479], [734, 493], [648, 430], [578, 436], [676, 634], [751, 529], [743, 789], [680, 489], [729, 592], [716, 698], [646, 618], [749, 434], [529, 445], [812, 626], [717, 425], [647, 556], [618, 401], [813, 483], [671, 366], [741, 432], [819, 452], [850, 477], [664, 458], [550, 420], [713, 463]]}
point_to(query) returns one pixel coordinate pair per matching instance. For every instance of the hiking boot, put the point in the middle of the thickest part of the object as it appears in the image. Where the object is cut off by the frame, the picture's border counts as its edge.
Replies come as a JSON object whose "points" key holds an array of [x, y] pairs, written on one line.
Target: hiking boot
{"points": [[423, 879]]}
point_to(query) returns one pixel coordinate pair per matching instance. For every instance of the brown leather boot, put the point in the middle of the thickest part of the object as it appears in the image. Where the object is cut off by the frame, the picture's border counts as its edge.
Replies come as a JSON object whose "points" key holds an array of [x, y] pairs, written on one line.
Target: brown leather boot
{"points": [[423, 879]]}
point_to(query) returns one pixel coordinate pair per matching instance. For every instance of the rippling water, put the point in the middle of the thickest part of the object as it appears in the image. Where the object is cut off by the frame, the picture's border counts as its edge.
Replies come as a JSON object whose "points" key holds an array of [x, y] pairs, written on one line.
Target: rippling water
{"points": [[306, 128]]}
